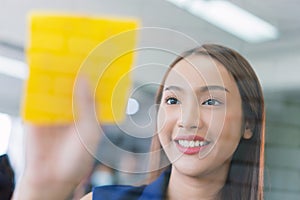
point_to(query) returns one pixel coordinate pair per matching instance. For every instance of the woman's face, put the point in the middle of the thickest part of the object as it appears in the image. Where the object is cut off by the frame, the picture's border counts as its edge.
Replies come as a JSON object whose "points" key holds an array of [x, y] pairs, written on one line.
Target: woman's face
{"points": [[200, 117]]}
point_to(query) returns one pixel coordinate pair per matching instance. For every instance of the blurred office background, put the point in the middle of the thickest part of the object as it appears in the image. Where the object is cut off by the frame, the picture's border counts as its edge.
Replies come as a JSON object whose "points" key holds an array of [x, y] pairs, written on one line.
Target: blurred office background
{"points": [[274, 54]]}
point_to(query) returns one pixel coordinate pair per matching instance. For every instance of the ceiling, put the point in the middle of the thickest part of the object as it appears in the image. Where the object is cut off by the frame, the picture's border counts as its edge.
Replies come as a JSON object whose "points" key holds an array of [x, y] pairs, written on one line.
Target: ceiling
{"points": [[277, 62]]}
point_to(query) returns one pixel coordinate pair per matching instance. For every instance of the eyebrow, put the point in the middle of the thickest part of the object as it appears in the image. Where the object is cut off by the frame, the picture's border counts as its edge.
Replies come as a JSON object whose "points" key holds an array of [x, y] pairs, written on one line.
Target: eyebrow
{"points": [[201, 89]]}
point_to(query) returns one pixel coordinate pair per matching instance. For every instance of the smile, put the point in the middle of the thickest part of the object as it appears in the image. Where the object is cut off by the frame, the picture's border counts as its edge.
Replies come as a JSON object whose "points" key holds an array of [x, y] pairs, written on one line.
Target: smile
{"points": [[188, 144], [191, 144]]}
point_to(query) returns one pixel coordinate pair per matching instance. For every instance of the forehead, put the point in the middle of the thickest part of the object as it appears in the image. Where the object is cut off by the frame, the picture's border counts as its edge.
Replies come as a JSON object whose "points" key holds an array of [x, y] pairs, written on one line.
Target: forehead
{"points": [[199, 70]]}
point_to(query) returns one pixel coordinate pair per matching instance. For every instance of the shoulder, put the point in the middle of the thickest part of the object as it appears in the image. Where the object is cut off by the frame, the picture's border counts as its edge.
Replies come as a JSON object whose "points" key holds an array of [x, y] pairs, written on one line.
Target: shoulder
{"points": [[117, 192], [155, 190]]}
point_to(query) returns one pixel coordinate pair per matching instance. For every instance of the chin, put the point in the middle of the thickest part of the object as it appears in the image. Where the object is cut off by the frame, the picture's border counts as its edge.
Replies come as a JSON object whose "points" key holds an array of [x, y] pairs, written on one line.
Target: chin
{"points": [[189, 167]]}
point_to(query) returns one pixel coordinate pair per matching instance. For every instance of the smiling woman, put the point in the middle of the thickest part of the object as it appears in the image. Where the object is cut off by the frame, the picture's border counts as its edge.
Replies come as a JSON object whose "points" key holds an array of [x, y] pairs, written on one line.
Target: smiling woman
{"points": [[216, 133], [209, 141]]}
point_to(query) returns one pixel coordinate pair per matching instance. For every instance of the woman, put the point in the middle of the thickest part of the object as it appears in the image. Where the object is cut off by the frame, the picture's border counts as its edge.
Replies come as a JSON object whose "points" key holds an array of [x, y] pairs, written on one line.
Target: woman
{"points": [[244, 177], [210, 132]]}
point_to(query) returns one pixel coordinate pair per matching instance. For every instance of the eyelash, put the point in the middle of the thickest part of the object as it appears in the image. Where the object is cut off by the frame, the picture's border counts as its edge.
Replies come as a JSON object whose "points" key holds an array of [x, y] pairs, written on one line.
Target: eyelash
{"points": [[216, 102], [208, 102], [171, 98]]}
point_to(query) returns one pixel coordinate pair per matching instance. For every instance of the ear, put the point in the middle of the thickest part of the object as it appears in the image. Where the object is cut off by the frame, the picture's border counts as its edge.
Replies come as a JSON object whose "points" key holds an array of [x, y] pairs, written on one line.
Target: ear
{"points": [[248, 134]]}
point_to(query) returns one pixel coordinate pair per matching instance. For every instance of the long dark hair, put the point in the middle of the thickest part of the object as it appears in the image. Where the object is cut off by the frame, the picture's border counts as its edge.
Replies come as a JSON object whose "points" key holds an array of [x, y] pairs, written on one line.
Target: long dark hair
{"points": [[245, 177]]}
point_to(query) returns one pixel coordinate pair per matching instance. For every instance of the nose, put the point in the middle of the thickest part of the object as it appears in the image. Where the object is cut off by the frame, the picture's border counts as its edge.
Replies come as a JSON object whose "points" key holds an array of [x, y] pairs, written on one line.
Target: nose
{"points": [[190, 117]]}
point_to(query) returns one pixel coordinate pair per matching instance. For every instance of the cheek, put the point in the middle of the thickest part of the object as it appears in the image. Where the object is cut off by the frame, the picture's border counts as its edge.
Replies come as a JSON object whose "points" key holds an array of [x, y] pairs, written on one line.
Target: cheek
{"points": [[161, 118], [166, 121], [234, 120], [224, 128], [231, 132], [216, 123]]}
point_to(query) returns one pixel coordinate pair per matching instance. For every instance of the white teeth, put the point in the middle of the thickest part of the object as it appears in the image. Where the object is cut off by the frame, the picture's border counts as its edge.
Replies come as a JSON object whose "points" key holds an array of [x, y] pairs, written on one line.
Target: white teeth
{"points": [[188, 143], [192, 143], [202, 143]]}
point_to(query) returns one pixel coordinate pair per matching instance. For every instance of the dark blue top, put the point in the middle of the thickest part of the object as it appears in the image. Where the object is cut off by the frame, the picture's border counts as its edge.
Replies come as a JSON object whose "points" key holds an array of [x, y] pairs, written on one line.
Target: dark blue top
{"points": [[154, 191]]}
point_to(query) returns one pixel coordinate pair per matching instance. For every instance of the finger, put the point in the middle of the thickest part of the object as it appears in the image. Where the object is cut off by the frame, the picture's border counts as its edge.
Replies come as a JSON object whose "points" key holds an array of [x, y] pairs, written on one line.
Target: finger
{"points": [[84, 100], [87, 126]]}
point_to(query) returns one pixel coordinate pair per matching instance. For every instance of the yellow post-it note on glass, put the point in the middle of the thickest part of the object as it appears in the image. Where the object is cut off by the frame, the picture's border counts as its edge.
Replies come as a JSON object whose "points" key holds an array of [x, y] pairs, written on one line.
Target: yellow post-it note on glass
{"points": [[60, 48]]}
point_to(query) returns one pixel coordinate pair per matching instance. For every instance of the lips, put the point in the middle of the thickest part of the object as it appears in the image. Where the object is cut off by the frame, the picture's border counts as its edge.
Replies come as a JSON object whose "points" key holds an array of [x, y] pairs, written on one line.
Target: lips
{"points": [[191, 144]]}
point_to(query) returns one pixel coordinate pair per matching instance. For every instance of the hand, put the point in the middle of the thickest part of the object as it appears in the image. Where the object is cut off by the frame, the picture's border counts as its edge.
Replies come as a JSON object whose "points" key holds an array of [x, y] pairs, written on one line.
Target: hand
{"points": [[58, 157]]}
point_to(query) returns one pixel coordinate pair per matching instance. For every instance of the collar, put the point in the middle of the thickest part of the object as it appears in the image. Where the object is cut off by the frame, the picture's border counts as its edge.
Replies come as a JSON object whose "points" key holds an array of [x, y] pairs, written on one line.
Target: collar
{"points": [[157, 189]]}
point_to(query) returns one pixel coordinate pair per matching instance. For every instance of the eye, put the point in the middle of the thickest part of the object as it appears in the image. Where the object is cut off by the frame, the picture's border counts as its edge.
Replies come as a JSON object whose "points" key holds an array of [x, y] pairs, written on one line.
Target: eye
{"points": [[172, 100], [212, 102]]}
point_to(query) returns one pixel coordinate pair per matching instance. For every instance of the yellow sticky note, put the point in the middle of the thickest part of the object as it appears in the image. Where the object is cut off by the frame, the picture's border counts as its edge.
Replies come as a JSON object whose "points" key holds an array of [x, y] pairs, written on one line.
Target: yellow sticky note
{"points": [[62, 46]]}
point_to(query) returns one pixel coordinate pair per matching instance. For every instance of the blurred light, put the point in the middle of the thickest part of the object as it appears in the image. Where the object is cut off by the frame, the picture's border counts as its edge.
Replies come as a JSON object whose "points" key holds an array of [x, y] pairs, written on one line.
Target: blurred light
{"points": [[5, 129], [13, 68], [230, 18], [132, 106]]}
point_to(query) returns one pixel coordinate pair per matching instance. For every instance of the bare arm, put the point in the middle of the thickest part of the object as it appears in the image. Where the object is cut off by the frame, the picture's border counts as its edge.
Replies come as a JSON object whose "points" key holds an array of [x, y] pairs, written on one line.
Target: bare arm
{"points": [[59, 157]]}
